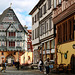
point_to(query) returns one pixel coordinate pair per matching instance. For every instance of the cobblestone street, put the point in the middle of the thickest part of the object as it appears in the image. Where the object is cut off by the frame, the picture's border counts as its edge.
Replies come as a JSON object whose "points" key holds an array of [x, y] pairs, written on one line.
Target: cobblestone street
{"points": [[14, 71]]}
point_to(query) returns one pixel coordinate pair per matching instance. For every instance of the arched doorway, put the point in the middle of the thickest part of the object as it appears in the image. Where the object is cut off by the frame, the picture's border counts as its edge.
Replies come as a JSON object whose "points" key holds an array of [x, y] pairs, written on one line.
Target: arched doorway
{"points": [[73, 63], [10, 59]]}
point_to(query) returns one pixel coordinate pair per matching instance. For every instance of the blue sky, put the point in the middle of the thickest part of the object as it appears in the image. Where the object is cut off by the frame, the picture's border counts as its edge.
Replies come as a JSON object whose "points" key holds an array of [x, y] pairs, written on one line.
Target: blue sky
{"points": [[21, 8]]}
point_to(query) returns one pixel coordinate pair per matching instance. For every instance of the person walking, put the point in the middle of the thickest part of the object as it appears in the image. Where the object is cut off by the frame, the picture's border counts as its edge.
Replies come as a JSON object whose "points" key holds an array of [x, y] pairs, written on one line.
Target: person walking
{"points": [[47, 66], [3, 65], [41, 65]]}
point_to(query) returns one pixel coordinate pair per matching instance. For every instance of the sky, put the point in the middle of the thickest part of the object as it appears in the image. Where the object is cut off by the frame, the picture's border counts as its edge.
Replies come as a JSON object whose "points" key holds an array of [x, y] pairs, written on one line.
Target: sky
{"points": [[21, 8]]}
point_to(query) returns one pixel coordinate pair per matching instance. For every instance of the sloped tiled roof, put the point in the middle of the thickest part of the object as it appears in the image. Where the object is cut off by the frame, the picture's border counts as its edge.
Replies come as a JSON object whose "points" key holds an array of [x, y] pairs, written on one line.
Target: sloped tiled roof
{"points": [[3, 14], [18, 26]]}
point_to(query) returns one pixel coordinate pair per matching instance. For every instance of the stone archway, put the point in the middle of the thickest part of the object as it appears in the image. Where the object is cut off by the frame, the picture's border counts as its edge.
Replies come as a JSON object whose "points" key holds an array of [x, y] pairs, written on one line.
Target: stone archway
{"points": [[73, 63], [10, 59]]}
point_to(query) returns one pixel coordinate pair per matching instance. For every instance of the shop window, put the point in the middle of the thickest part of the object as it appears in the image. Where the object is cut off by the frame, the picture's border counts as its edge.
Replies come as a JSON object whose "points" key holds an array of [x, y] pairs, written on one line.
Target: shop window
{"points": [[52, 44], [48, 46]]}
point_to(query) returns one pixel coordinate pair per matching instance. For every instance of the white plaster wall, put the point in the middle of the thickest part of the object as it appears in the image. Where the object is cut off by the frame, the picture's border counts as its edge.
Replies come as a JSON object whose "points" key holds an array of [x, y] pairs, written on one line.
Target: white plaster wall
{"points": [[35, 41]]}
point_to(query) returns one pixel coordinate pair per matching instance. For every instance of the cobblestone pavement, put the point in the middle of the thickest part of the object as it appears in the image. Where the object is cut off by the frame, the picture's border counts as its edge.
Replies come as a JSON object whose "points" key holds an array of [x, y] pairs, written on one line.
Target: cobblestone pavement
{"points": [[13, 71], [29, 72]]}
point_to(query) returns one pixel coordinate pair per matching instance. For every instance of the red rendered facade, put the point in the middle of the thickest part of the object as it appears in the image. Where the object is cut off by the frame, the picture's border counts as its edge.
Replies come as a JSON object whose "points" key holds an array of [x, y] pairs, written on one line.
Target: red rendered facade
{"points": [[29, 43]]}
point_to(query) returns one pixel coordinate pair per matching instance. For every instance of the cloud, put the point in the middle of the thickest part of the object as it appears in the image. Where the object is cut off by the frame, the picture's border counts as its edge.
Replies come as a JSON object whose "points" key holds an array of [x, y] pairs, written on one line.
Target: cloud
{"points": [[21, 8]]}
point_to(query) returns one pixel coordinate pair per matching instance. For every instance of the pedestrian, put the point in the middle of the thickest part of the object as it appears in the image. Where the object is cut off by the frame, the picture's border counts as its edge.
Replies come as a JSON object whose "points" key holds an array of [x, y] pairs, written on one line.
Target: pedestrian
{"points": [[3, 65], [45, 62], [47, 66], [18, 65], [41, 65]]}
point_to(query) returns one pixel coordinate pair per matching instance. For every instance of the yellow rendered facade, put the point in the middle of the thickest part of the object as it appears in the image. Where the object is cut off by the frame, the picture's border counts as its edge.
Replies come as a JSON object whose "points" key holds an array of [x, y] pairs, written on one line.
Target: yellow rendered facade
{"points": [[63, 48], [26, 58]]}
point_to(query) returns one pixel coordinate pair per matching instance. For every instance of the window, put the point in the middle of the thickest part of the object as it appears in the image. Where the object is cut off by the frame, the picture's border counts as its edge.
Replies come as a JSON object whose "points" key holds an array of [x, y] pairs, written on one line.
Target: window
{"points": [[40, 29], [19, 34], [38, 32], [2, 53], [10, 18], [44, 45], [28, 45], [65, 30], [2, 34], [48, 46], [35, 18], [11, 33], [49, 4], [46, 27], [54, 4], [52, 44], [18, 43], [14, 53], [2, 43], [43, 29], [11, 44], [50, 24], [44, 8], [33, 35], [32, 20], [59, 1], [40, 12]]}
